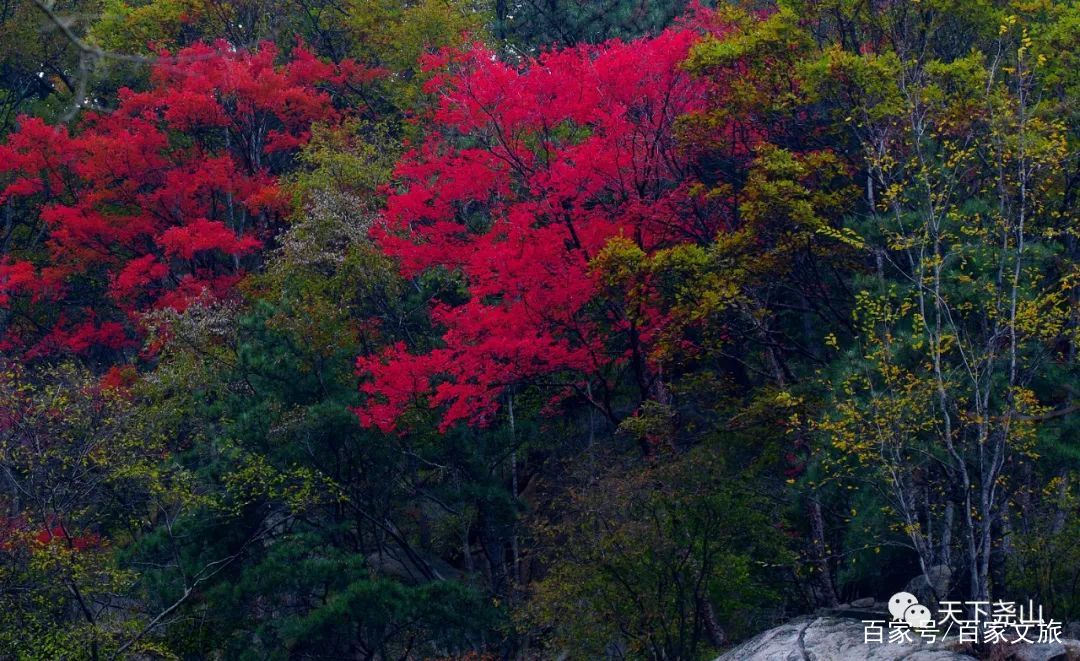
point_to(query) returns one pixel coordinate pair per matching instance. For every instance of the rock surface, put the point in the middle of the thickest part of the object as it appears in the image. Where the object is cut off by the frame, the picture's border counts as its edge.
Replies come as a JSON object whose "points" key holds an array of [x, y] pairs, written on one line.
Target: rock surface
{"points": [[841, 638], [832, 639], [1044, 652]]}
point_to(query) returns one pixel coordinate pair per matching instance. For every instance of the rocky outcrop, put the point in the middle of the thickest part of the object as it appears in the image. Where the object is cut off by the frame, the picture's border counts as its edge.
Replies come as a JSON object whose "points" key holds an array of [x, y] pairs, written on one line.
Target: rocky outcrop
{"points": [[833, 638]]}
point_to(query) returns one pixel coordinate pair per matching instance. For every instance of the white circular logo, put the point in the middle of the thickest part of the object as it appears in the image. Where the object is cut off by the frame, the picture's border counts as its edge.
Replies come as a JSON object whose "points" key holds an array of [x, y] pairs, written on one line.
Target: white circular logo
{"points": [[899, 602], [917, 616]]}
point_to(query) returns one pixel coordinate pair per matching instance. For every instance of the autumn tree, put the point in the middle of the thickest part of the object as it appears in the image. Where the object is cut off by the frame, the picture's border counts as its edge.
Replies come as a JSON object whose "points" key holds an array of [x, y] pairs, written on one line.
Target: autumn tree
{"points": [[528, 171], [166, 199], [965, 322]]}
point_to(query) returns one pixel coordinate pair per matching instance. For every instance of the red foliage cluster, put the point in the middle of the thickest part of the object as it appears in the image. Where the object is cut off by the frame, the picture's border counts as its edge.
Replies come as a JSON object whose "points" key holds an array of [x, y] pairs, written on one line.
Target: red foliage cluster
{"points": [[159, 201], [526, 173], [17, 535]]}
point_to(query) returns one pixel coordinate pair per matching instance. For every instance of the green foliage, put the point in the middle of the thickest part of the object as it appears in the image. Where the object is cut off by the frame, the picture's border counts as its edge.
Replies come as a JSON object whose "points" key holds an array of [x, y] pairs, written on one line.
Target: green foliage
{"points": [[957, 354], [83, 479], [133, 27], [662, 561], [535, 24], [401, 32], [1045, 562], [312, 536], [37, 64]]}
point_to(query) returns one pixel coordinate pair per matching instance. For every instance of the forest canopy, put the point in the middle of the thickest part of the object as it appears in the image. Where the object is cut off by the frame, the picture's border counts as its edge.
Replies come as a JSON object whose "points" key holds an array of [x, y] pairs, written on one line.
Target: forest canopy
{"points": [[470, 329]]}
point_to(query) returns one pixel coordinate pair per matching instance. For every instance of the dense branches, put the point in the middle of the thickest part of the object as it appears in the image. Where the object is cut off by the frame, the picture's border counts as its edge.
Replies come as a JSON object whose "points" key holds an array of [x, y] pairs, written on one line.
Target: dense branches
{"points": [[456, 329]]}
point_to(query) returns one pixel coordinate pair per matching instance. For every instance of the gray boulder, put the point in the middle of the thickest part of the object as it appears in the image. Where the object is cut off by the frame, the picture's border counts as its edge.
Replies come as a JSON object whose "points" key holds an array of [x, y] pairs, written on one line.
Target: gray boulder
{"points": [[833, 639], [1072, 629], [931, 587]]}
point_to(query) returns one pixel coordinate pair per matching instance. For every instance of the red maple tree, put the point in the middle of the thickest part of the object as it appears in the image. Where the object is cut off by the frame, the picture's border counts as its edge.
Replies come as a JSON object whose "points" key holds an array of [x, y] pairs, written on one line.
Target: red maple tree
{"points": [[158, 202], [526, 172]]}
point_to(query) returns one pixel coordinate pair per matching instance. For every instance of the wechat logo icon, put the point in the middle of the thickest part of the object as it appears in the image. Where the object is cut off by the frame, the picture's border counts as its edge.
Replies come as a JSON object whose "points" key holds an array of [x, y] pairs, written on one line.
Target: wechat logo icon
{"points": [[903, 606]]}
